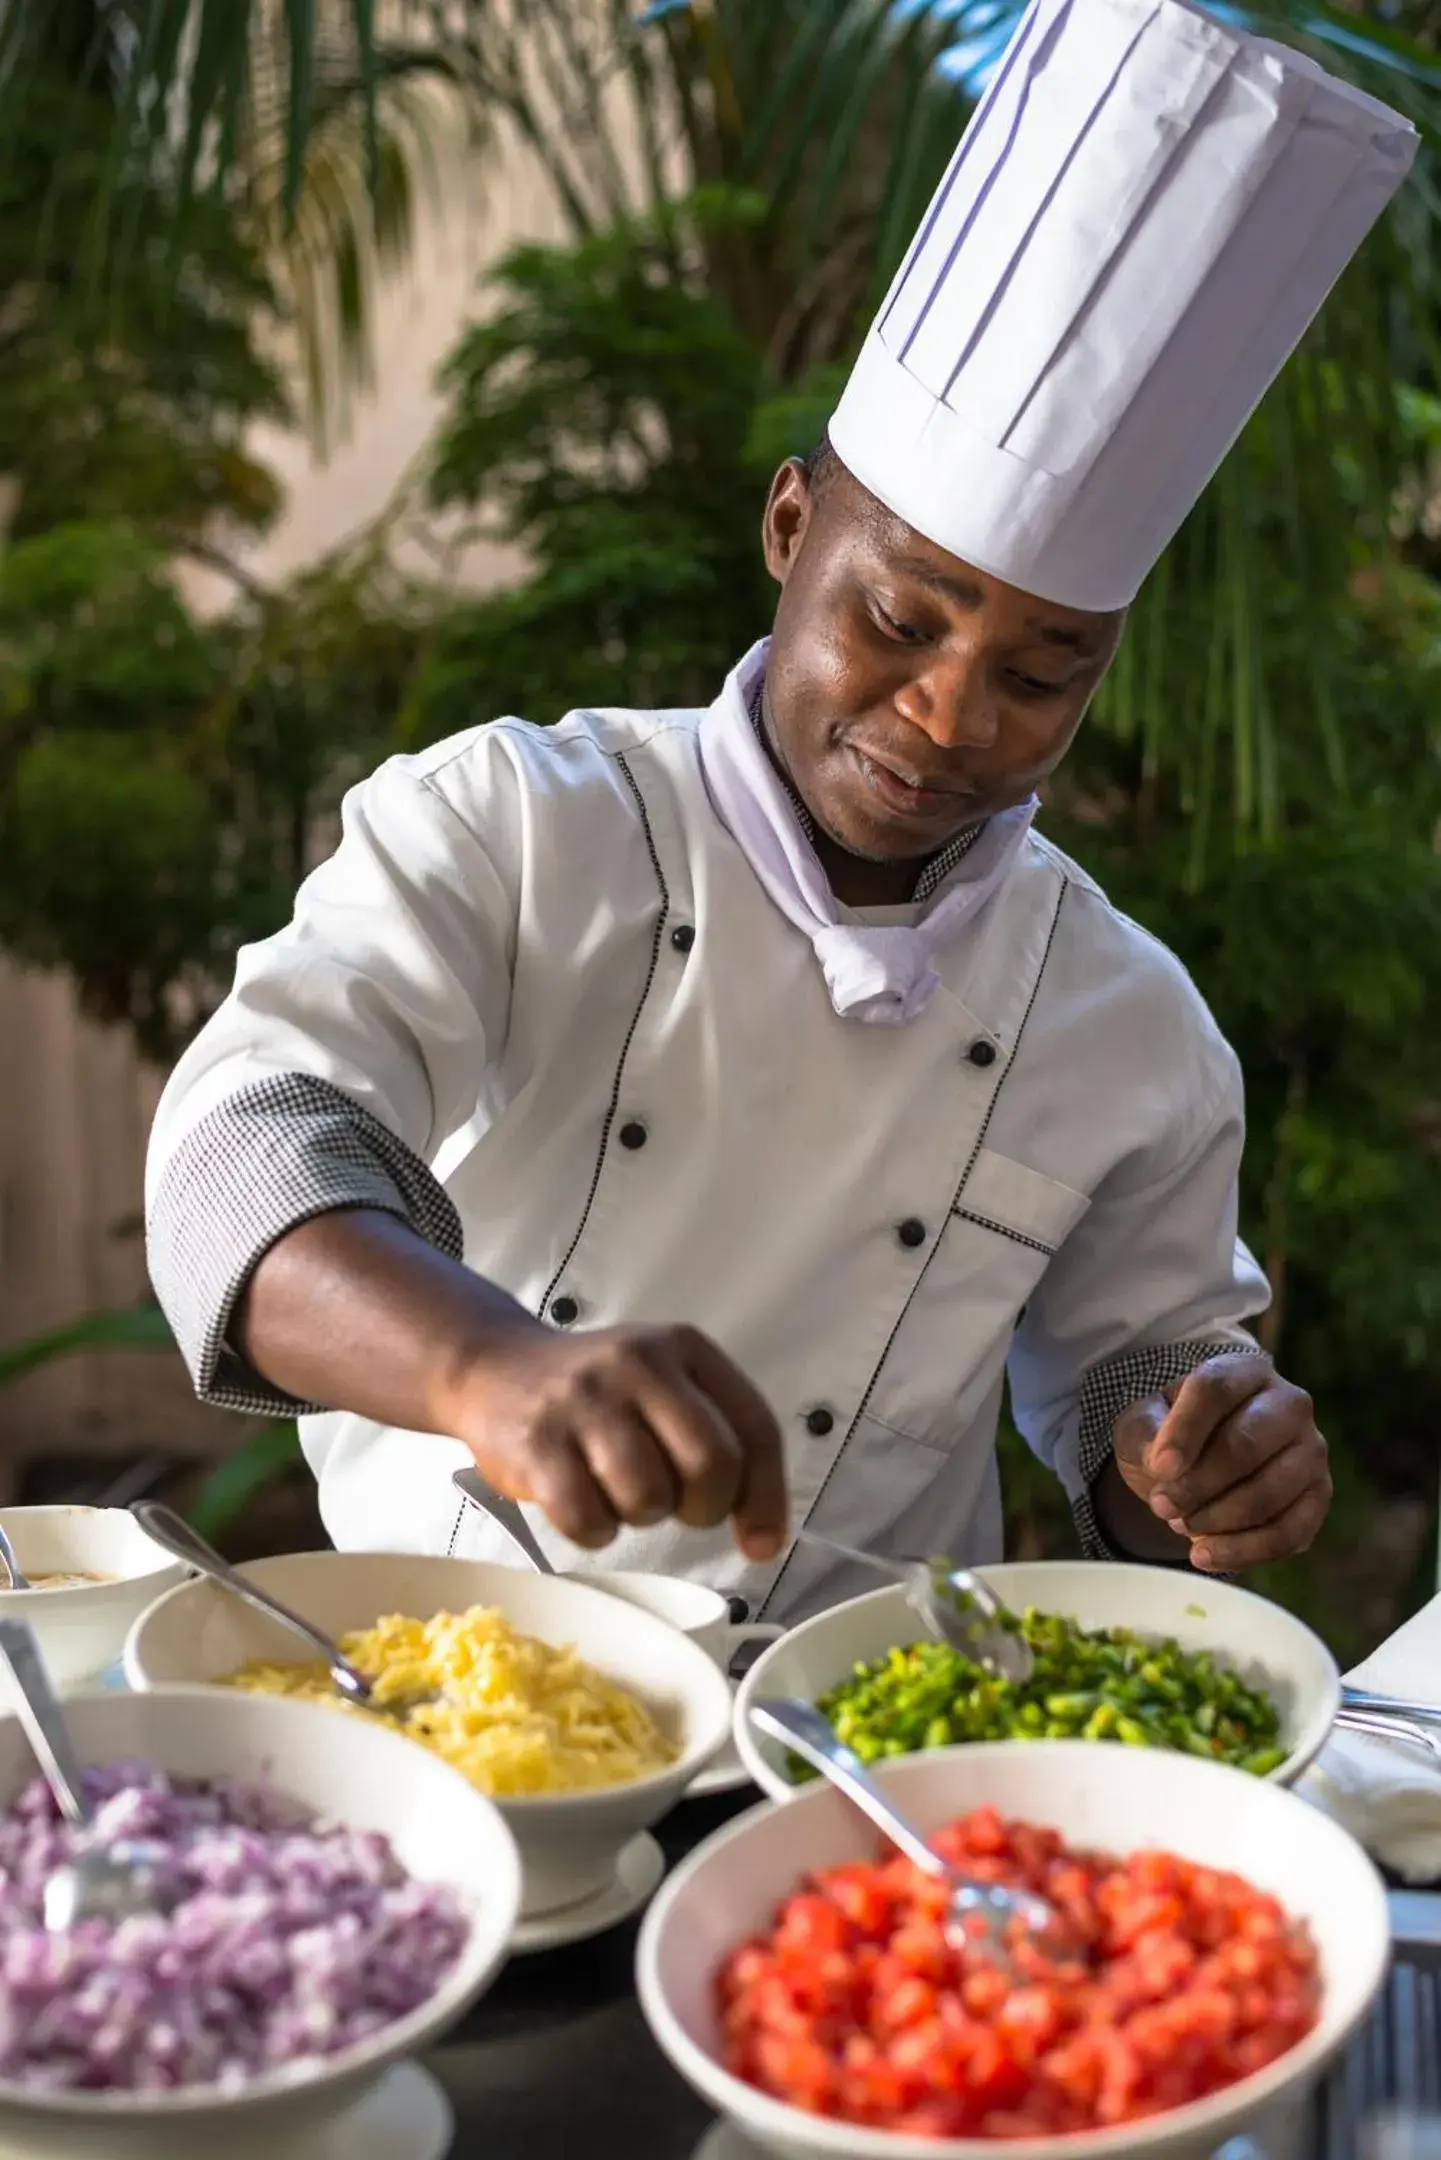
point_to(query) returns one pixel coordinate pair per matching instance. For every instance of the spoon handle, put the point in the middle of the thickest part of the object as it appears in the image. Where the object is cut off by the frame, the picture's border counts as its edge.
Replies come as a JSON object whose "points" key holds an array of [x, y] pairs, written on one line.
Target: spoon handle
{"points": [[16, 1581], [38, 1708], [894, 1570], [910, 1572], [175, 1535], [803, 1729], [504, 1514], [1354, 1698]]}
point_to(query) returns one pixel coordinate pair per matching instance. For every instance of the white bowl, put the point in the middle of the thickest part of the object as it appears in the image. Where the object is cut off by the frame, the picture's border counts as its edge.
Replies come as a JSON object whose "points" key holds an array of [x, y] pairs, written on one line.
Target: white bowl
{"points": [[350, 1770], [1265, 1644], [569, 1843], [82, 1630], [1109, 1797]]}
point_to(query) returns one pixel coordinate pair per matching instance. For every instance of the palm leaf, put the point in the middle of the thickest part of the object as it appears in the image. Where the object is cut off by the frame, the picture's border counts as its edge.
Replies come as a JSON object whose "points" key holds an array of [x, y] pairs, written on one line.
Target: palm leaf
{"points": [[842, 113], [271, 1454], [142, 1329]]}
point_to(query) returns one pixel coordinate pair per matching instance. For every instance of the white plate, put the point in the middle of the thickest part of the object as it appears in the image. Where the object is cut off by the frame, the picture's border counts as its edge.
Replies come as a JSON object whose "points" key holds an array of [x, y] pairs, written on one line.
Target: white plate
{"points": [[724, 2142], [726, 1774], [638, 1875], [405, 2117]]}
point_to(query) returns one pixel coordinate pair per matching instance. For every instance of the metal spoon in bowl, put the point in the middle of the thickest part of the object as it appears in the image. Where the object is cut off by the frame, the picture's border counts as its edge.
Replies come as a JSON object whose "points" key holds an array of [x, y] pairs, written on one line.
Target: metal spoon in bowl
{"points": [[981, 1914], [955, 1603], [505, 1514], [14, 1580], [103, 1882], [175, 1536]]}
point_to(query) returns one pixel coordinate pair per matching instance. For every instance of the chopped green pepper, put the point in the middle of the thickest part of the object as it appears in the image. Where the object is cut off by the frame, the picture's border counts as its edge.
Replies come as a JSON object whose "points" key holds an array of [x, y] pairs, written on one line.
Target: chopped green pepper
{"points": [[1088, 1684]]}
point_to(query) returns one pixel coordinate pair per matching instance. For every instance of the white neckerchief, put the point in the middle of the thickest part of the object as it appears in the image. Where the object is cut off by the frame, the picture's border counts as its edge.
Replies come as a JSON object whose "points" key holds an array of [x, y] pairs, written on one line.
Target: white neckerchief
{"points": [[883, 974]]}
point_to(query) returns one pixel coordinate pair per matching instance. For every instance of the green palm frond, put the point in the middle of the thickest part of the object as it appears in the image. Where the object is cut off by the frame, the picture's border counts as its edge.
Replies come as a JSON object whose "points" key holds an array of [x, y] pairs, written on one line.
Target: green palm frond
{"points": [[142, 1329], [840, 114]]}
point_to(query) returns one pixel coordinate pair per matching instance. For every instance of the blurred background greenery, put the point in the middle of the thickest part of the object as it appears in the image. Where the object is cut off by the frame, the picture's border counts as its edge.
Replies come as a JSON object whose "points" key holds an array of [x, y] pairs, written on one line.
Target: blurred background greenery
{"points": [[199, 205]]}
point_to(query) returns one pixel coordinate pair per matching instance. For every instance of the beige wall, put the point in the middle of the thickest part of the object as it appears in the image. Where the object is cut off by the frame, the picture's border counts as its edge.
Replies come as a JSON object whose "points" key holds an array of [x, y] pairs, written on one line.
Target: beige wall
{"points": [[75, 1102], [75, 1106]]}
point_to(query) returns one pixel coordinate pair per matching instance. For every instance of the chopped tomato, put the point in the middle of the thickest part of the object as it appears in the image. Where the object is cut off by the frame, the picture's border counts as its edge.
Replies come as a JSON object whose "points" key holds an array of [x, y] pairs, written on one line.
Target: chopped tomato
{"points": [[860, 2003]]}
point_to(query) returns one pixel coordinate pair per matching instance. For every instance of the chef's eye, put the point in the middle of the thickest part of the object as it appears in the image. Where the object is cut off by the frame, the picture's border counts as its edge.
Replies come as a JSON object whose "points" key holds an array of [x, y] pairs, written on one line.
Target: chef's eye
{"points": [[905, 633], [1034, 686]]}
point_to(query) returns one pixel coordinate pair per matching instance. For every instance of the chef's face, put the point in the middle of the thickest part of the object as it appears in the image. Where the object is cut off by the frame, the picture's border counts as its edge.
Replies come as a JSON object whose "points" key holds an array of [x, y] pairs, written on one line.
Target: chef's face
{"points": [[909, 696]]}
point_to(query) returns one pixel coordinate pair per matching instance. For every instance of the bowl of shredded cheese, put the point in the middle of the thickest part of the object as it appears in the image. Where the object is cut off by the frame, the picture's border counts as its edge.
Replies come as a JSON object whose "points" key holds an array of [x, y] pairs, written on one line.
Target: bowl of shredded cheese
{"points": [[581, 1717]]}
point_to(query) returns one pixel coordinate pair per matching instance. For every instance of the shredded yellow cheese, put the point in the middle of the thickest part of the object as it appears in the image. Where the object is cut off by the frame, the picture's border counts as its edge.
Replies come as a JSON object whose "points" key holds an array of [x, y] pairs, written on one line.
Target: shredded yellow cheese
{"points": [[514, 1715]]}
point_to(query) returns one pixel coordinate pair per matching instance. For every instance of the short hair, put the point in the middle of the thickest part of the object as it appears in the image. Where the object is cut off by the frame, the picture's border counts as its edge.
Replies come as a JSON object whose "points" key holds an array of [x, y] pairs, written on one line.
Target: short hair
{"points": [[821, 467]]}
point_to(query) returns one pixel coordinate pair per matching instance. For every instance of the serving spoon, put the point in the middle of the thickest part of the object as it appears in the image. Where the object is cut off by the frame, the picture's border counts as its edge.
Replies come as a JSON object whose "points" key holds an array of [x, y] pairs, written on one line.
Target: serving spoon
{"points": [[111, 1882], [175, 1536], [14, 1579], [981, 1914], [955, 1603], [505, 1514]]}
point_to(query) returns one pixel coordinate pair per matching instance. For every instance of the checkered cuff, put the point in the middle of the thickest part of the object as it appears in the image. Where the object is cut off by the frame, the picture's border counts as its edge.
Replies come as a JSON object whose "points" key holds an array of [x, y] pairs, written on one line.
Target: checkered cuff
{"points": [[270, 1157], [1112, 1387]]}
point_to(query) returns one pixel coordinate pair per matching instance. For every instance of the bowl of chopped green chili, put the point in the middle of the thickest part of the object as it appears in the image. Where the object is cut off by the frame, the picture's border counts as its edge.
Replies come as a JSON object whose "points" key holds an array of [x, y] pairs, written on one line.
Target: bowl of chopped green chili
{"points": [[1128, 1656]]}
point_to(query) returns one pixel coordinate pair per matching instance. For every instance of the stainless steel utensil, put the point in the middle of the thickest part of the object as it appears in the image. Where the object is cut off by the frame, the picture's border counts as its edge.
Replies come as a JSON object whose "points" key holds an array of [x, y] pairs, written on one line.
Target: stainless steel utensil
{"points": [[954, 1602], [982, 1914], [14, 1580], [1366, 1699], [505, 1514], [1426, 1738], [175, 1535], [103, 1882]]}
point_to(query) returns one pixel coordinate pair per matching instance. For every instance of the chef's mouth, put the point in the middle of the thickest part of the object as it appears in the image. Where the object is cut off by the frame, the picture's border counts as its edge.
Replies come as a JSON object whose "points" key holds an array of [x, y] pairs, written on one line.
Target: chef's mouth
{"points": [[911, 795]]}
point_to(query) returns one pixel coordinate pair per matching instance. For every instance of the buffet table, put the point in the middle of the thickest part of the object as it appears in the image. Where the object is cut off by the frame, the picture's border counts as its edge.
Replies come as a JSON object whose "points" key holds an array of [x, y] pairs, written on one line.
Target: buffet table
{"points": [[558, 2057]]}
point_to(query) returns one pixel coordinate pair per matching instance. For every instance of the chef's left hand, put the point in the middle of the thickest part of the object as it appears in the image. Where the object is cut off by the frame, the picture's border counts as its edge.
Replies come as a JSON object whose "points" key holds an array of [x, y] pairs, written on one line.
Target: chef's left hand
{"points": [[1230, 1459]]}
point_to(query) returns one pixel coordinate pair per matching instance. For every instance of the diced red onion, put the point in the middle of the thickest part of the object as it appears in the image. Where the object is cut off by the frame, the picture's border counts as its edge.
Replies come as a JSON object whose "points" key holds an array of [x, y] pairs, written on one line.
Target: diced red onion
{"points": [[292, 1940]]}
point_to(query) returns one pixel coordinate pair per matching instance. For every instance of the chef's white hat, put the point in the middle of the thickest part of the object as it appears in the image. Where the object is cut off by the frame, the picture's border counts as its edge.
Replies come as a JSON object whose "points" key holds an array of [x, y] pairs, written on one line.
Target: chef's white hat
{"points": [[1142, 218]]}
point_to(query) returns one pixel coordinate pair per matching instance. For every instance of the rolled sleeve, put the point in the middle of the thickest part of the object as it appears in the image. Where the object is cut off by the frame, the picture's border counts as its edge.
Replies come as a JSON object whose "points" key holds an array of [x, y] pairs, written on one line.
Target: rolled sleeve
{"points": [[1152, 1282], [1112, 1387], [268, 1158]]}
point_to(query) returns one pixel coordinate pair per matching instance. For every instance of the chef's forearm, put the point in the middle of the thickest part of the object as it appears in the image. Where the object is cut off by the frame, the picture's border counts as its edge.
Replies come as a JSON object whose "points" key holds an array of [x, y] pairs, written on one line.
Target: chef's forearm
{"points": [[1128, 1525], [352, 1309]]}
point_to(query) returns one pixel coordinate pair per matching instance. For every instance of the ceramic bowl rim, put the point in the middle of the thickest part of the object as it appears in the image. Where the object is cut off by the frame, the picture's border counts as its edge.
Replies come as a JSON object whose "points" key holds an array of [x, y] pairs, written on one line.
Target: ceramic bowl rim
{"points": [[760, 2115], [487, 1945], [708, 1695], [1312, 1730]]}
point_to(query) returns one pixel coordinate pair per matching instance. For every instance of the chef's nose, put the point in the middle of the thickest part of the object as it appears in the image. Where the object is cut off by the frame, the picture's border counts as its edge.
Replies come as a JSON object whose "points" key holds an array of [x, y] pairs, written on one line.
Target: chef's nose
{"points": [[951, 698]]}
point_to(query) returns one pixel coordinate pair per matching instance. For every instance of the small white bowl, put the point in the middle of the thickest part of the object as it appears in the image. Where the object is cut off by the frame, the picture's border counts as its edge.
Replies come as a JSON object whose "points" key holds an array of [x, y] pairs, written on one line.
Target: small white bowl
{"points": [[569, 1842], [1265, 1644], [348, 1770], [698, 1611], [82, 1629], [1113, 1798]]}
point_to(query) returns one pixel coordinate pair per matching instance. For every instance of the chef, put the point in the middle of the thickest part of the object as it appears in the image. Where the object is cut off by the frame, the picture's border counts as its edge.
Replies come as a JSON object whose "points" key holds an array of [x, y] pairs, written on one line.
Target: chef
{"points": [[694, 1118]]}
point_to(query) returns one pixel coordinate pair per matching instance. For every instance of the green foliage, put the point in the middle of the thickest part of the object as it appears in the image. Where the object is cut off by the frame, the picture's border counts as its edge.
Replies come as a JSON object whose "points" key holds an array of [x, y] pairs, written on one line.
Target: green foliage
{"points": [[163, 782], [258, 1463], [132, 400], [599, 420], [142, 1329]]}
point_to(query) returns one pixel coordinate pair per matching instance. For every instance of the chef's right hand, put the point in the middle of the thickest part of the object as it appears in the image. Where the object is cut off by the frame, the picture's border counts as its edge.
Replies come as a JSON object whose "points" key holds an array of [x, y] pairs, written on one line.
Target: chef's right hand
{"points": [[625, 1425]]}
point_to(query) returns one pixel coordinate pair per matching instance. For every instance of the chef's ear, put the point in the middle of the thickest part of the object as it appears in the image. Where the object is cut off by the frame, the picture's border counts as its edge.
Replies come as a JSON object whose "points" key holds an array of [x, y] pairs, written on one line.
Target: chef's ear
{"points": [[789, 508]]}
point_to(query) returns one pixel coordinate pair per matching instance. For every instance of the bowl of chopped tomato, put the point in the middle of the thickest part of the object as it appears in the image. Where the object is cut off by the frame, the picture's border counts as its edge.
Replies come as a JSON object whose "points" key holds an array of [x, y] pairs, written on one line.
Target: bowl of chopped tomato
{"points": [[1143, 1657], [1220, 1941]]}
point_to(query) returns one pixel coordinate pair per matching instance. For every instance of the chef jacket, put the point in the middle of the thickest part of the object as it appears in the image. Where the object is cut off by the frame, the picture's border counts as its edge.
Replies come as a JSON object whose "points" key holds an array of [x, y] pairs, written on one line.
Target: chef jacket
{"points": [[538, 1005]]}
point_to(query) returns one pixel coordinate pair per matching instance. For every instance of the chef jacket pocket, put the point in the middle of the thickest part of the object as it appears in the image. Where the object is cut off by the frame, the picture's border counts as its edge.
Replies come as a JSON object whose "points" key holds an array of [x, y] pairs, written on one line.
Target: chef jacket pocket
{"points": [[1017, 1203], [1004, 1229]]}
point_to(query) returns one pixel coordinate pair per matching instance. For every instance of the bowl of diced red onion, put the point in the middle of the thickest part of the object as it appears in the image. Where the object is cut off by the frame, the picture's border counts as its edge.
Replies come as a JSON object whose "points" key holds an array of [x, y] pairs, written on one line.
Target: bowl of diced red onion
{"points": [[337, 1898], [1220, 1940]]}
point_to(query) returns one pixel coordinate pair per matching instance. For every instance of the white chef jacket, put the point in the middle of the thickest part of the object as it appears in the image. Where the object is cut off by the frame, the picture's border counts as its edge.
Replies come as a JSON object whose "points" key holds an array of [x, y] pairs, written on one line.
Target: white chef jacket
{"points": [[538, 1004]]}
